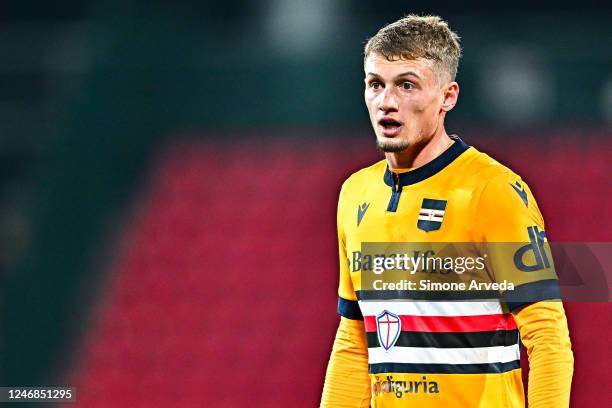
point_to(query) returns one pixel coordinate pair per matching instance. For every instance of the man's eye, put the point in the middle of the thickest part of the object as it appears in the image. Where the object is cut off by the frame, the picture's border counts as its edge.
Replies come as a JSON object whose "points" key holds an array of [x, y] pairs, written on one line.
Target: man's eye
{"points": [[407, 85], [375, 84]]}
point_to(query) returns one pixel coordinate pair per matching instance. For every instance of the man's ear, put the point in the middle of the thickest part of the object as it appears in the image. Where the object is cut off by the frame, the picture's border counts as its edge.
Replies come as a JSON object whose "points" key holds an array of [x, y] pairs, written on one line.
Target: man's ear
{"points": [[451, 94]]}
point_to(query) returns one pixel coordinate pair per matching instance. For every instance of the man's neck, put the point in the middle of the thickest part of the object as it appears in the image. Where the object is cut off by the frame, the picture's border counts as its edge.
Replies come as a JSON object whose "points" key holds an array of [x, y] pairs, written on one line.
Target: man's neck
{"points": [[420, 154]]}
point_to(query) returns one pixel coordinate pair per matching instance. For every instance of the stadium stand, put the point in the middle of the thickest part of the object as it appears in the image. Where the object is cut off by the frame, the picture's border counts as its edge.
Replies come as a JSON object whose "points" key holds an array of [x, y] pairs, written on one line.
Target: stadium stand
{"points": [[223, 290]]}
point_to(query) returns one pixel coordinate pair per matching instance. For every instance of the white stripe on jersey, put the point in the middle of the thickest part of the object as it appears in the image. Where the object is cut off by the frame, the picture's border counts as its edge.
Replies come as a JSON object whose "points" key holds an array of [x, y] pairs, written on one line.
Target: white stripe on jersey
{"points": [[432, 355], [429, 308], [430, 218], [437, 213]]}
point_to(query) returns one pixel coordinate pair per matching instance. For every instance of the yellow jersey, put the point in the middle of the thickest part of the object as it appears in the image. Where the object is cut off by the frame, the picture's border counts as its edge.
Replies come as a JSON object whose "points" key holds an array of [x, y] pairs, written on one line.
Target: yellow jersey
{"points": [[443, 348]]}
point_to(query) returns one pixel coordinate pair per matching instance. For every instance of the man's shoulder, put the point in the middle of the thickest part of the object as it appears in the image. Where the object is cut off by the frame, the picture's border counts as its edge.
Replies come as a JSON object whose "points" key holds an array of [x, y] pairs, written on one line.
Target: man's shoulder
{"points": [[496, 184], [368, 174], [485, 169]]}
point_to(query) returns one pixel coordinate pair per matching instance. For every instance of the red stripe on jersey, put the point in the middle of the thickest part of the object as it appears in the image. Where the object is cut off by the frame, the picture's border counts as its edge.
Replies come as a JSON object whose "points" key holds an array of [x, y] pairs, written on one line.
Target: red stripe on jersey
{"points": [[450, 323]]}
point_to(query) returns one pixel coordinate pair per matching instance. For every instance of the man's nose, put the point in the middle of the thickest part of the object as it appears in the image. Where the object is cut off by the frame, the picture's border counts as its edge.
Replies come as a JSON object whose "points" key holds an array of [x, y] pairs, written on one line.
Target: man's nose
{"points": [[388, 100]]}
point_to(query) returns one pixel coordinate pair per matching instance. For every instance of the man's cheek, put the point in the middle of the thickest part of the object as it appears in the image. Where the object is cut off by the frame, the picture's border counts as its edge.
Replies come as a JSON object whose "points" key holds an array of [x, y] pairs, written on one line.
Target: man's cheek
{"points": [[422, 107]]}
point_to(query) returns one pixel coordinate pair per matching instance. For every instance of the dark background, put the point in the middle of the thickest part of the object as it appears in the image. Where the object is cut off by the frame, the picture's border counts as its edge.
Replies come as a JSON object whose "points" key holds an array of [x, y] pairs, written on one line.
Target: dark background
{"points": [[169, 173]]}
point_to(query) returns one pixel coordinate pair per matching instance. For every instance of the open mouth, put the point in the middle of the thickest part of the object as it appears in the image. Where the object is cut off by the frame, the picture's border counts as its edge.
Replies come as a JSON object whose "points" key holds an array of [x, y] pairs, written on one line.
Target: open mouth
{"points": [[390, 127], [389, 123]]}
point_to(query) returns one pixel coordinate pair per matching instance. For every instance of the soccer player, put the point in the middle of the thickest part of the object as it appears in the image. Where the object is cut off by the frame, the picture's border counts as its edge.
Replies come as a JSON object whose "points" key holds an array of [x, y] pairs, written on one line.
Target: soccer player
{"points": [[397, 348]]}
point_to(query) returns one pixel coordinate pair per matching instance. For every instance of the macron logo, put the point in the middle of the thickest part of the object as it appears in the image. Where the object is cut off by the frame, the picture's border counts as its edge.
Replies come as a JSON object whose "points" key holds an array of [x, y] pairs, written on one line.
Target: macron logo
{"points": [[520, 190], [361, 210]]}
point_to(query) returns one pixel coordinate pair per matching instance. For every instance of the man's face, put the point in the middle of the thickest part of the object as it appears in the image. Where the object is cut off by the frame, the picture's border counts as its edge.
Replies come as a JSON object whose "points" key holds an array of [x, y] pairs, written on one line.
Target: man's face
{"points": [[404, 99]]}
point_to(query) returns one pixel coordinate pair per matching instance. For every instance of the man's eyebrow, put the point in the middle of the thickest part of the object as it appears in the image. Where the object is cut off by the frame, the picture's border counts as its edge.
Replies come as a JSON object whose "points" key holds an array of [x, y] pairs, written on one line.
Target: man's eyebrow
{"points": [[409, 73], [403, 74]]}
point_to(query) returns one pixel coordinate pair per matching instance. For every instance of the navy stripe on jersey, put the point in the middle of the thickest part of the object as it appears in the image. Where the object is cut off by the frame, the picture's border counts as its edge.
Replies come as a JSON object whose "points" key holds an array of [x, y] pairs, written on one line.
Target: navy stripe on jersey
{"points": [[431, 204], [349, 309], [373, 294], [496, 338], [532, 292], [443, 368], [394, 200]]}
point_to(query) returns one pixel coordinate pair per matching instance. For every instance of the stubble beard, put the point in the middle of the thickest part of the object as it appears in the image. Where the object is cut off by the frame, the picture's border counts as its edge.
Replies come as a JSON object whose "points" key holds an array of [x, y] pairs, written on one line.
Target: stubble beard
{"points": [[392, 146]]}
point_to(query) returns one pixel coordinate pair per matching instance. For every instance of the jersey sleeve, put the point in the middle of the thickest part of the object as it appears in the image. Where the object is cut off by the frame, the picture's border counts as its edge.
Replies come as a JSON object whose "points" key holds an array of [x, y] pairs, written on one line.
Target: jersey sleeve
{"points": [[347, 299], [511, 231], [544, 332], [347, 384]]}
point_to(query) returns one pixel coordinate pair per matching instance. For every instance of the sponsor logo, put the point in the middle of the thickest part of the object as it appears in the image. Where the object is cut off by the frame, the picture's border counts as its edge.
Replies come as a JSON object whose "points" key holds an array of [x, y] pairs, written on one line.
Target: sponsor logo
{"points": [[400, 388], [520, 190], [361, 210], [431, 214], [389, 327], [536, 249]]}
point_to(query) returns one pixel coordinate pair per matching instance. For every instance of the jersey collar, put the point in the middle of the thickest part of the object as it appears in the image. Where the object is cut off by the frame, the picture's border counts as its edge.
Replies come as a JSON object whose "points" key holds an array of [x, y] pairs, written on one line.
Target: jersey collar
{"points": [[431, 168]]}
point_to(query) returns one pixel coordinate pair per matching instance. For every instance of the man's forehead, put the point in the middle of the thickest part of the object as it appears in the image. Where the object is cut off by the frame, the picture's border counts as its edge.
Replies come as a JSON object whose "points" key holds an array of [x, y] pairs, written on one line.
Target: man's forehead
{"points": [[379, 64]]}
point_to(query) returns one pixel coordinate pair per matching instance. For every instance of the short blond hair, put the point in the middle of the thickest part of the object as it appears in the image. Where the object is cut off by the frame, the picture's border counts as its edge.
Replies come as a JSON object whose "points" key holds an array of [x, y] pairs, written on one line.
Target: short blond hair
{"points": [[415, 37]]}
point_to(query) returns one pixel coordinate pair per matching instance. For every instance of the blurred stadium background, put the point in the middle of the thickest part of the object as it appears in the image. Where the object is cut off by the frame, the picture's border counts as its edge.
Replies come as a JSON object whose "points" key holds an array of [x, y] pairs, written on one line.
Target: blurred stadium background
{"points": [[169, 174]]}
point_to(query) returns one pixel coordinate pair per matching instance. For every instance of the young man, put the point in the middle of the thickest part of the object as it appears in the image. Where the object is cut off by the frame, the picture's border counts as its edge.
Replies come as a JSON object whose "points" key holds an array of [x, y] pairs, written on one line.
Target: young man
{"points": [[395, 347]]}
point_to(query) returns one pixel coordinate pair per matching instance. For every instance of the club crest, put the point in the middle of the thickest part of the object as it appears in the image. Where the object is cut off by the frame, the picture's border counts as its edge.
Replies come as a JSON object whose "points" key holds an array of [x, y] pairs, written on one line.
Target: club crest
{"points": [[389, 327], [431, 214]]}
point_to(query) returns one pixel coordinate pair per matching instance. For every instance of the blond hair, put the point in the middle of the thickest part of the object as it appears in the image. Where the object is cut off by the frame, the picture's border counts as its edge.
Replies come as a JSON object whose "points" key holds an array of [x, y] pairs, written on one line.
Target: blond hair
{"points": [[415, 37]]}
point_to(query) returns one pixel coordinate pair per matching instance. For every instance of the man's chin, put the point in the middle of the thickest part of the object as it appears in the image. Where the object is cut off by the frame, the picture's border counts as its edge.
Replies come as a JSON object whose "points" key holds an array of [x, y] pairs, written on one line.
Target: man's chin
{"points": [[391, 145]]}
